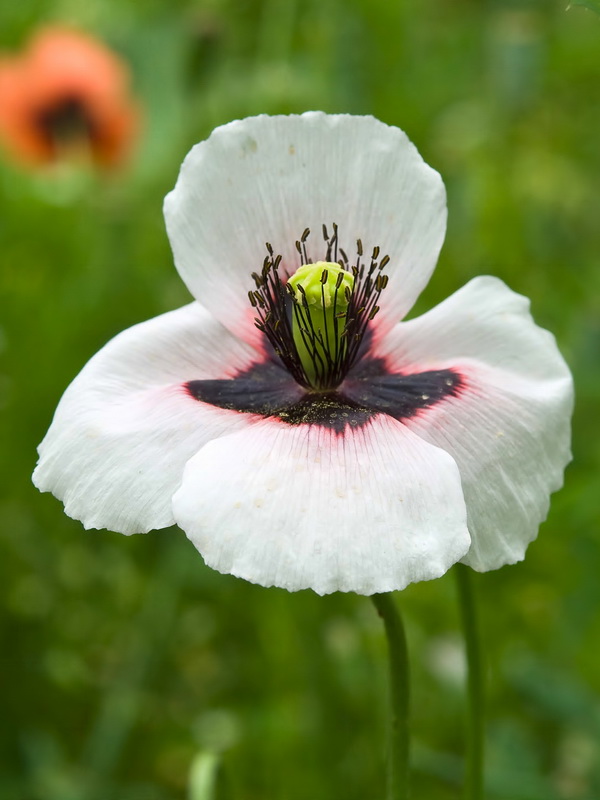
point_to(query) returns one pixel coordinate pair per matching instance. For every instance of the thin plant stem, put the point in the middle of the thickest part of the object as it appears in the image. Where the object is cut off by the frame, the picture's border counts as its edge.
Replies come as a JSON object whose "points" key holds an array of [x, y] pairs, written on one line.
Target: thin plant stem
{"points": [[475, 685], [397, 766]]}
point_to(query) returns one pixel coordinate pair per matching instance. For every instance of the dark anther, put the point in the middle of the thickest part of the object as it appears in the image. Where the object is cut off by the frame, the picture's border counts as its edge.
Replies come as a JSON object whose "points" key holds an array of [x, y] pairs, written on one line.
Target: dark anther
{"points": [[339, 280], [303, 293], [324, 276], [359, 247]]}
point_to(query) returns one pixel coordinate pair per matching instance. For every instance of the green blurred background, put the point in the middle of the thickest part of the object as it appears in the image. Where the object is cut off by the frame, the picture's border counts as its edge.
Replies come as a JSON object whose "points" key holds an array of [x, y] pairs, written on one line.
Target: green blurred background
{"points": [[123, 659]]}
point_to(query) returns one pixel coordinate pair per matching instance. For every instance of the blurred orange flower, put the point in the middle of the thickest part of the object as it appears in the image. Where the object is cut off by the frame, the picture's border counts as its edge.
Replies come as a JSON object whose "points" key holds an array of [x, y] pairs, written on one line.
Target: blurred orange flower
{"points": [[66, 97]]}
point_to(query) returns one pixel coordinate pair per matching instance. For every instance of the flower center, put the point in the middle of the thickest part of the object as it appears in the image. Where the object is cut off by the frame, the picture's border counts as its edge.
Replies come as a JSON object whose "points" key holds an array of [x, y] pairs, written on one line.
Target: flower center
{"points": [[317, 318], [66, 125]]}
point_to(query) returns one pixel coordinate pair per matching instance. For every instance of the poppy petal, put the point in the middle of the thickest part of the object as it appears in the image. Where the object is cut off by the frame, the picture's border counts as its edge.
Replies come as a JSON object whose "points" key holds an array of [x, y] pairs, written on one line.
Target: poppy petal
{"points": [[268, 178], [126, 426], [508, 428], [368, 510]]}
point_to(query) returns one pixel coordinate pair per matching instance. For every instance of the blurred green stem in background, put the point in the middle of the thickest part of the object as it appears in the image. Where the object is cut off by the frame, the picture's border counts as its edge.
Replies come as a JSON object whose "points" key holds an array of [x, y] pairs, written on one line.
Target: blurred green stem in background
{"points": [[475, 685], [143, 647], [204, 775], [397, 775]]}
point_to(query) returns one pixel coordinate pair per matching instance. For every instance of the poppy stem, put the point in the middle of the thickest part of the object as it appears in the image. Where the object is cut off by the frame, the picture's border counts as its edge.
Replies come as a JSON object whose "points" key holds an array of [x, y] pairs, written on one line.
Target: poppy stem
{"points": [[473, 789], [397, 766]]}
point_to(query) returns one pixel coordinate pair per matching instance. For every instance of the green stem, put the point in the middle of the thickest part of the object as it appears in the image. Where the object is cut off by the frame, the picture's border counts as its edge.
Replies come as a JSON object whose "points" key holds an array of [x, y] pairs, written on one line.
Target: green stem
{"points": [[475, 685], [397, 775]]}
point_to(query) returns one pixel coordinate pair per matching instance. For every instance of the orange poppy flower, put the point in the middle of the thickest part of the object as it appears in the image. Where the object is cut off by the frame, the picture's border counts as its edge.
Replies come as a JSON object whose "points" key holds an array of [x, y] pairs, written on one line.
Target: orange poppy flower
{"points": [[66, 96]]}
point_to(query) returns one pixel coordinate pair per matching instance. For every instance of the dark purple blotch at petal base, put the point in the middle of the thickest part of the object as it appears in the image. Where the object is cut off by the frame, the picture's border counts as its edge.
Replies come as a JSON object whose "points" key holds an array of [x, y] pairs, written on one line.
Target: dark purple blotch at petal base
{"points": [[402, 396], [267, 389]]}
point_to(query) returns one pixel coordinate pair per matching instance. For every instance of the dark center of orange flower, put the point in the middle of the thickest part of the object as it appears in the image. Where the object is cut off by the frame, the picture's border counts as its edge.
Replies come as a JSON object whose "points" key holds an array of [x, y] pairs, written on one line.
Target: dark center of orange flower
{"points": [[65, 124]]}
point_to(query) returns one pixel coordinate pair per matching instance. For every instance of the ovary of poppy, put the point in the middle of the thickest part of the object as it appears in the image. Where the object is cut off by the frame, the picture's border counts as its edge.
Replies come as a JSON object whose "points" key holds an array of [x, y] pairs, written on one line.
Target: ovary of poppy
{"points": [[65, 96], [379, 453]]}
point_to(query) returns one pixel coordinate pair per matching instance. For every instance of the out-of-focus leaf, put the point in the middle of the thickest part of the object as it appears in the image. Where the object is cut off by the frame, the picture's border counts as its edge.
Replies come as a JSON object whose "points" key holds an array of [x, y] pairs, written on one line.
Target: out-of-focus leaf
{"points": [[593, 5]]}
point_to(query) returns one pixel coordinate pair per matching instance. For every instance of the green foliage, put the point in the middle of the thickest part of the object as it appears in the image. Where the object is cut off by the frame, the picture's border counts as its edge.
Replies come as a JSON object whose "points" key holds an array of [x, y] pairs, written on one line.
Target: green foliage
{"points": [[123, 658], [593, 5]]}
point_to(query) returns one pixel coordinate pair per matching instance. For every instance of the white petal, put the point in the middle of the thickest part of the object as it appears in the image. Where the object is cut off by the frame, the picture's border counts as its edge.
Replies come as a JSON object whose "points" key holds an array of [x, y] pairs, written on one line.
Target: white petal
{"points": [[509, 429], [125, 427], [303, 507], [267, 178]]}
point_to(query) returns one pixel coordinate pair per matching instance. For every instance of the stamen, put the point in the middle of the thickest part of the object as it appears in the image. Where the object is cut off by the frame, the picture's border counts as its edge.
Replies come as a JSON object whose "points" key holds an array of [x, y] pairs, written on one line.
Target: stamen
{"points": [[317, 318]]}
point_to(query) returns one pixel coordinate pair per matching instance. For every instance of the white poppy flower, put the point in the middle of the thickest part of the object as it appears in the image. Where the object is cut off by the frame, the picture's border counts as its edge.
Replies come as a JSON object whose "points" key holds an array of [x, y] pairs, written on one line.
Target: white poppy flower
{"points": [[301, 435]]}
